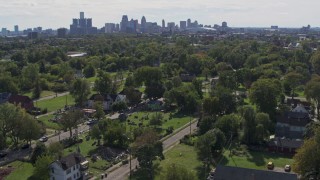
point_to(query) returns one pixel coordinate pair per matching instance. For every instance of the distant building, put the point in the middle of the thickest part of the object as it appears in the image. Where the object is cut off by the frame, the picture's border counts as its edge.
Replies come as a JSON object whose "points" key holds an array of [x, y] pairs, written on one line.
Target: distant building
{"points": [[110, 27], [4, 32], [107, 100], [81, 15], [124, 23], [224, 24], [171, 26], [163, 24], [33, 35], [16, 29], [189, 23], [143, 24], [274, 27], [82, 26], [71, 167], [183, 24], [61, 32]]}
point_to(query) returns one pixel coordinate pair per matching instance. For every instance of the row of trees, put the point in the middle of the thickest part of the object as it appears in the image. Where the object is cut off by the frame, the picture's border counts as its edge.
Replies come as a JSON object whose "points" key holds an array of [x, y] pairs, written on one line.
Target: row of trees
{"points": [[16, 125]]}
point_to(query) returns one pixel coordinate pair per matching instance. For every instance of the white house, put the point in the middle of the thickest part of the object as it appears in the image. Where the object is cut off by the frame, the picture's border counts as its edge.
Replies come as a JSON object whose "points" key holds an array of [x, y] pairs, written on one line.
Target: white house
{"points": [[71, 167], [107, 100]]}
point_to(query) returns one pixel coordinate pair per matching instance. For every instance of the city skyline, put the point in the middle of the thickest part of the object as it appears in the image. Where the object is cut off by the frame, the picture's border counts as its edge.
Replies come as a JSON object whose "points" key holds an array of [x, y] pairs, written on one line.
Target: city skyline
{"points": [[242, 13]]}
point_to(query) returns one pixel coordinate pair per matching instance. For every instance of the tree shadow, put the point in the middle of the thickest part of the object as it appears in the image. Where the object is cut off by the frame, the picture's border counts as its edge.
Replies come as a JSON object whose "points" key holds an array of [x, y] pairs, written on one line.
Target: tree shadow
{"points": [[202, 173]]}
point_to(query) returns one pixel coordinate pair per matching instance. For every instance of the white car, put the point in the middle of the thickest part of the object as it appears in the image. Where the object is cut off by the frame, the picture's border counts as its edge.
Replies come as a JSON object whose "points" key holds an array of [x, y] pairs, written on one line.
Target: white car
{"points": [[43, 139]]}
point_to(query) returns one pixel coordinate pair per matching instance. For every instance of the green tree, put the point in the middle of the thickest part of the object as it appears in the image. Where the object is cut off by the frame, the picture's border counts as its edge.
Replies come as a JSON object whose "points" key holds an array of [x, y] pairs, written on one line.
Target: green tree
{"points": [[146, 148], [55, 150], [206, 123], [80, 90], [36, 90], [312, 92], [70, 120], [307, 158], [265, 93], [99, 114], [41, 167], [249, 124], [89, 71], [293, 79], [103, 84], [229, 125], [38, 151], [211, 106], [210, 145], [315, 61]]}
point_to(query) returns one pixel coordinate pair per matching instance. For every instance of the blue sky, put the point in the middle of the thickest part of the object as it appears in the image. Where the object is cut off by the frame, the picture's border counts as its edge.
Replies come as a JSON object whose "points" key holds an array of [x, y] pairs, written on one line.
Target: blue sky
{"points": [[258, 13]]}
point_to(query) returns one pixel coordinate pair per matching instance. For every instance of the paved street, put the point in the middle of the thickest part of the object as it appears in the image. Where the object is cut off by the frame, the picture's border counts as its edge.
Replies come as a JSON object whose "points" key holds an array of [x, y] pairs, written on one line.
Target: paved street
{"points": [[122, 172]]}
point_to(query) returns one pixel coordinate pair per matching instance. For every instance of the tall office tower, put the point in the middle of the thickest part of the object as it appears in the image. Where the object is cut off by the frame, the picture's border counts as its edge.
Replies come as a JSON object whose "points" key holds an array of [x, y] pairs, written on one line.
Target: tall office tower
{"points": [[171, 26], [224, 24], [163, 24], [81, 15], [143, 24], [61, 32], [189, 23], [4, 31], [89, 23], [75, 22], [183, 24], [124, 23], [110, 27], [16, 29]]}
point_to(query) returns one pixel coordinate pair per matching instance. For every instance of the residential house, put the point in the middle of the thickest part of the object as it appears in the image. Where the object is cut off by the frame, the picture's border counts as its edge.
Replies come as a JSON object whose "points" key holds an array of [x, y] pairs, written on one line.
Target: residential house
{"points": [[4, 97], [292, 124], [284, 145], [24, 101], [107, 100], [232, 173], [71, 167], [290, 129]]}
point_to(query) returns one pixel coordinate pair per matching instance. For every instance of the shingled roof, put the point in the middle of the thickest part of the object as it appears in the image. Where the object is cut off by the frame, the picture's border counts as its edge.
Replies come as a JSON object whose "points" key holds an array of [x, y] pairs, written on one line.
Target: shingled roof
{"points": [[232, 173], [70, 160]]}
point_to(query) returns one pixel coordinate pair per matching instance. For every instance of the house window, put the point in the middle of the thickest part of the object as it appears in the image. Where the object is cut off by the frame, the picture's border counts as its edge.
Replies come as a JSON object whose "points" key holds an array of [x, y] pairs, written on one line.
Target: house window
{"points": [[53, 178], [52, 170], [69, 178], [74, 168], [74, 176], [69, 171]]}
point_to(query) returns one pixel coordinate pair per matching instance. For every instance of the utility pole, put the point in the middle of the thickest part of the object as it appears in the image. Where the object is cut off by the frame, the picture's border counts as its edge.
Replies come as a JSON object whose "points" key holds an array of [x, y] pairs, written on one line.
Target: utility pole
{"points": [[190, 126]]}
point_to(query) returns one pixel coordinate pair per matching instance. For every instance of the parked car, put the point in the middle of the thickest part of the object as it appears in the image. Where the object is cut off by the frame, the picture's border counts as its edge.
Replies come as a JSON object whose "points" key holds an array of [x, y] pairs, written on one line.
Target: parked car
{"points": [[3, 154], [92, 122], [25, 146], [287, 168], [43, 139], [270, 165]]}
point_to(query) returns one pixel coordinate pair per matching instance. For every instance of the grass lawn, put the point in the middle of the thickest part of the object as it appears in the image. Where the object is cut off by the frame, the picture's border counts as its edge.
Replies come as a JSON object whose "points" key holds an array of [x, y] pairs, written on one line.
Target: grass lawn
{"points": [[256, 160], [55, 103], [43, 94], [177, 120], [49, 124], [86, 147], [22, 171], [188, 160], [92, 79]]}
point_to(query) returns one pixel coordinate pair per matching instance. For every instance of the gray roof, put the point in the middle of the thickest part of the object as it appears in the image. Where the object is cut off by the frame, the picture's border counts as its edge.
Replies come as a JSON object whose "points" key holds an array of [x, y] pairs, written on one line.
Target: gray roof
{"points": [[236, 173], [70, 160]]}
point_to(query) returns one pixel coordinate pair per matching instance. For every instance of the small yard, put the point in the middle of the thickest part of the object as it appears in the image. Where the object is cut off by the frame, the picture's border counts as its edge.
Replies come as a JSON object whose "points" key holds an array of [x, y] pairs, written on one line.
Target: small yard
{"points": [[48, 123], [55, 103], [188, 160], [21, 171], [256, 160], [176, 121]]}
